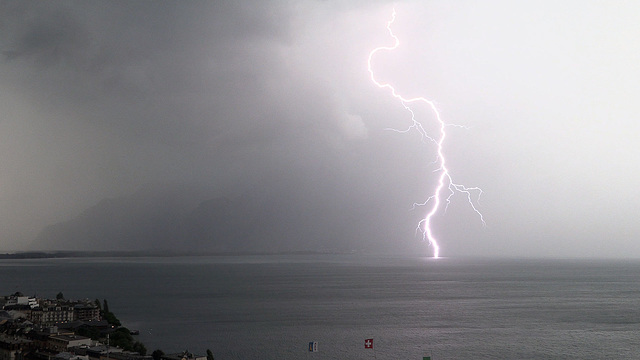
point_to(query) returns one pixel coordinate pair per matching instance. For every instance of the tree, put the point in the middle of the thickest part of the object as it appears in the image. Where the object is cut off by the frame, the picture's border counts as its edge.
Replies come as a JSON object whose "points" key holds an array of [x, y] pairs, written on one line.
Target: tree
{"points": [[209, 355], [157, 354], [60, 296], [111, 319], [89, 331], [121, 337], [139, 348], [98, 305], [108, 315]]}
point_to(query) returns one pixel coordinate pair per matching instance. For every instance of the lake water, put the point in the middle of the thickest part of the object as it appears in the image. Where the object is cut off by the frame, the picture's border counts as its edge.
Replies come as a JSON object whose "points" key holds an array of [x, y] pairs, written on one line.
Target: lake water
{"points": [[271, 307]]}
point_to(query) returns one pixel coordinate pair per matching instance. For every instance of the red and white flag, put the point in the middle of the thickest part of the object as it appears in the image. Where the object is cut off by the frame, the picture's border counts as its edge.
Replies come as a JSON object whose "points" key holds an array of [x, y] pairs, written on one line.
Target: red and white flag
{"points": [[368, 344]]}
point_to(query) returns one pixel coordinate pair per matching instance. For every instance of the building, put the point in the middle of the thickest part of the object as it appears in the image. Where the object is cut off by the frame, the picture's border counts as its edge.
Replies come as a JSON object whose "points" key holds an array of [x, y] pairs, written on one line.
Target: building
{"points": [[60, 343], [98, 352], [15, 300], [51, 312], [128, 355], [185, 355], [69, 356], [86, 311], [12, 348]]}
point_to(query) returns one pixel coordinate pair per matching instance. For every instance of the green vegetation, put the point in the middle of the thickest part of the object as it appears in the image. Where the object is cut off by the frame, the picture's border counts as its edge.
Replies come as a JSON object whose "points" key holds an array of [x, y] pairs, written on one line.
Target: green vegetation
{"points": [[111, 319], [157, 354], [109, 316], [139, 348], [121, 337], [89, 331]]}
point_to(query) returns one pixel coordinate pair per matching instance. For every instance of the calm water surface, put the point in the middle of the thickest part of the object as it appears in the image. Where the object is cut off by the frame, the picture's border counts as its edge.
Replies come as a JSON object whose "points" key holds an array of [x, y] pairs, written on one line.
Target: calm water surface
{"points": [[270, 307]]}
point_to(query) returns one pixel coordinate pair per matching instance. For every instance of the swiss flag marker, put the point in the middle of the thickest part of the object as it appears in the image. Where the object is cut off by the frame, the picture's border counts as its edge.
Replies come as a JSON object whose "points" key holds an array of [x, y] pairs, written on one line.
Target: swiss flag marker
{"points": [[368, 344]]}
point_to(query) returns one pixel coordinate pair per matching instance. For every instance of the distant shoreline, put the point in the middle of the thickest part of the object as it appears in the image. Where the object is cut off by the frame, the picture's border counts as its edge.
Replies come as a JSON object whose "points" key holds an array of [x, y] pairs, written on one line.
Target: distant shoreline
{"points": [[150, 253]]}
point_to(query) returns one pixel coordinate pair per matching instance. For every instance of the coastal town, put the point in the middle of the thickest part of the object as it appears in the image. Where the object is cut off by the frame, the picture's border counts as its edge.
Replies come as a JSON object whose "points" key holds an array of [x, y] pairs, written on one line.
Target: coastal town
{"points": [[33, 328]]}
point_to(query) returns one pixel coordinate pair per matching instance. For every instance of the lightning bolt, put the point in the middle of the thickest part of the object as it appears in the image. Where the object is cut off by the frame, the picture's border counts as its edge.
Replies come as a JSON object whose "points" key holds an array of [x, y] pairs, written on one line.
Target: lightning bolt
{"points": [[445, 181]]}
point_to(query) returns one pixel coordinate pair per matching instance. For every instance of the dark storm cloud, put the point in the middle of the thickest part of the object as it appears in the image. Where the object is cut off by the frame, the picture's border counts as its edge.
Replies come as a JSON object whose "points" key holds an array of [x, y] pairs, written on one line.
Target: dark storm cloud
{"points": [[48, 39], [144, 69], [122, 94], [271, 101], [143, 48]]}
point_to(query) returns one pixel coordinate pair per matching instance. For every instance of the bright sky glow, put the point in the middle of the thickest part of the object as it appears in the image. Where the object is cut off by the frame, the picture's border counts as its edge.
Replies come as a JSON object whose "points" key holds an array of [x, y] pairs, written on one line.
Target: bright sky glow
{"points": [[444, 179]]}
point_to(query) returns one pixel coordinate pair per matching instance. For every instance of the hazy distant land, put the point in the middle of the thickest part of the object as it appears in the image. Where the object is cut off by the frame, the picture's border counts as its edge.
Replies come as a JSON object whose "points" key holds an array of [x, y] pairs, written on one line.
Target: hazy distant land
{"points": [[150, 253]]}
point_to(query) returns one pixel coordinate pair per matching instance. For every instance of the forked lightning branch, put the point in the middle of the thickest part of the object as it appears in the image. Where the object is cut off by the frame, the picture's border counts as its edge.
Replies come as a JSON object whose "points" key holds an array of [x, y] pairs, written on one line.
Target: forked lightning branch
{"points": [[445, 187]]}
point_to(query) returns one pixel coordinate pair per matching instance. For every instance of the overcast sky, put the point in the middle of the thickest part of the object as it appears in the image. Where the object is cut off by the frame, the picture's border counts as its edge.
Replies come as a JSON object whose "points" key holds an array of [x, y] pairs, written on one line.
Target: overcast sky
{"points": [[98, 98]]}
